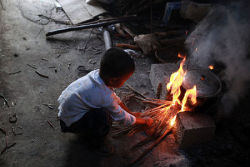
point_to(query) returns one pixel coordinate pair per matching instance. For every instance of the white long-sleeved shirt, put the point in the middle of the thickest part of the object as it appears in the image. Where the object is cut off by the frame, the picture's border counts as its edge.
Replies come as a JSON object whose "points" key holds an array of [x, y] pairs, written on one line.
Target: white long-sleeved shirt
{"points": [[90, 92]]}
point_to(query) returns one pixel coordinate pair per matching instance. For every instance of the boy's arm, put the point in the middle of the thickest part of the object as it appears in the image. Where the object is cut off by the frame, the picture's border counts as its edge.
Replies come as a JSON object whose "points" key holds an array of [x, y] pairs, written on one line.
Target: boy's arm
{"points": [[120, 111], [123, 106], [139, 121]]}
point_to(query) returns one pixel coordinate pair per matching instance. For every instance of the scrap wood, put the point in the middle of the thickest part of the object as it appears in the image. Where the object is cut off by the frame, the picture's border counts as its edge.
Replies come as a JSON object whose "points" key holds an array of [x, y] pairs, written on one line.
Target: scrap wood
{"points": [[119, 30], [96, 20], [5, 100], [51, 125], [135, 91], [127, 46], [86, 43], [7, 147], [16, 72], [32, 66], [79, 11], [150, 148], [93, 25], [127, 30], [50, 106], [42, 75], [159, 90], [44, 59]]}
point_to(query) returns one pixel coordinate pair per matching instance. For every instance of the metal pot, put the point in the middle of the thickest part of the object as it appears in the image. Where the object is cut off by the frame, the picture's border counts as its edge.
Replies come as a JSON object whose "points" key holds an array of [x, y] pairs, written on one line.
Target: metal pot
{"points": [[207, 83]]}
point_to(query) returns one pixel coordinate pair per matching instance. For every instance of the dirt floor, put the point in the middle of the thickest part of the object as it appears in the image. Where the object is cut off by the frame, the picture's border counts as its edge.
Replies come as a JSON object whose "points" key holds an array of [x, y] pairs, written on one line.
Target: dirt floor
{"points": [[63, 58], [24, 50]]}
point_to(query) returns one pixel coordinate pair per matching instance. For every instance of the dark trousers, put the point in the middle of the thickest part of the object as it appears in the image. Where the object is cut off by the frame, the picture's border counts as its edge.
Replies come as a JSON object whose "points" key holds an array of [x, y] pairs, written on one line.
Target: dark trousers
{"points": [[95, 124]]}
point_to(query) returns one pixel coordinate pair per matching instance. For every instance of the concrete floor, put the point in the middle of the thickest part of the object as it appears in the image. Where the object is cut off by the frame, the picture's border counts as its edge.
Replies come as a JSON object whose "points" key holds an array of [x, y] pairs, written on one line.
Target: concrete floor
{"points": [[22, 42]]}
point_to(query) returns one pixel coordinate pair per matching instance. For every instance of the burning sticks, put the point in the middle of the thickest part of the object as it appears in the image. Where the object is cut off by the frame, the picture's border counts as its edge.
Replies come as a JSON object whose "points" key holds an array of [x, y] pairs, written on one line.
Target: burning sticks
{"points": [[164, 115]]}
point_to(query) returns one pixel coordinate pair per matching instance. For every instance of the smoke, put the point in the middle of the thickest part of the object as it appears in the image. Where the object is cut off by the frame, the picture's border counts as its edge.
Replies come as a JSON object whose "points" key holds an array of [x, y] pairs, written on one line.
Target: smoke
{"points": [[224, 36]]}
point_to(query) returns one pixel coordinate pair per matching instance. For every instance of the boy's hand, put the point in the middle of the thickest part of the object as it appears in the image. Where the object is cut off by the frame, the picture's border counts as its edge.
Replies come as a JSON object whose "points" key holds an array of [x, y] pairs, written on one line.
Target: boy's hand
{"points": [[144, 121], [149, 122]]}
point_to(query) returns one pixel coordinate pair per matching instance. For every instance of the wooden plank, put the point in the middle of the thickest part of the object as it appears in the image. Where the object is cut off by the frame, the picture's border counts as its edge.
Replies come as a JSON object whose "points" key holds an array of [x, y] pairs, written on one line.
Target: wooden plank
{"points": [[78, 11]]}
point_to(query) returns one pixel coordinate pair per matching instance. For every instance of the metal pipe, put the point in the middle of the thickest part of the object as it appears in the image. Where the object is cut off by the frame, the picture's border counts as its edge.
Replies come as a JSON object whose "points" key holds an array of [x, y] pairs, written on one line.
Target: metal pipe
{"points": [[93, 25], [107, 39]]}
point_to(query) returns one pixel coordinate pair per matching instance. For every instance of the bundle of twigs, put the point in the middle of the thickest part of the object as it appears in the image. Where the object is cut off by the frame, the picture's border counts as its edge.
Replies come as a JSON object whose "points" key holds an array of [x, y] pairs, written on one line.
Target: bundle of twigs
{"points": [[162, 114]]}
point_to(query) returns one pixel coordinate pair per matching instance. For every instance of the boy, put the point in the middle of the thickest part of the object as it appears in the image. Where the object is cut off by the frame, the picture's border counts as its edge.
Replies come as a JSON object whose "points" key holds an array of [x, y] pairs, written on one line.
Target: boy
{"points": [[87, 105]]}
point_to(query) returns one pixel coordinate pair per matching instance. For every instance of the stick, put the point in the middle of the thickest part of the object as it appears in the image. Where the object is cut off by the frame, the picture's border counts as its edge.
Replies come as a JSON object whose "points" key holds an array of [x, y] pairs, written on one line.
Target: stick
{"points": [[44, 59], [51, 125], [93, 25], [128, 31], [31, 66], [158, 141], [7, 147], [42, 75], [127, 46], [50, 106], [2, 96], [86, 43], [135, 91], [12, 73]]}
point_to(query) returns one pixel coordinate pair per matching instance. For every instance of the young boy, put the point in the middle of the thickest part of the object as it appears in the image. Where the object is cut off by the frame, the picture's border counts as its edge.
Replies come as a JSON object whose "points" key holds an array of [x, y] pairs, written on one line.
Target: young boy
{"points": [[88, 104]]}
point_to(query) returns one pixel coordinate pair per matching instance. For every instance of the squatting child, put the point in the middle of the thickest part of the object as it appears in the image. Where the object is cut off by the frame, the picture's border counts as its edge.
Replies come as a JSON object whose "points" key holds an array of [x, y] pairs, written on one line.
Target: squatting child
{"points": [[89, 104]]}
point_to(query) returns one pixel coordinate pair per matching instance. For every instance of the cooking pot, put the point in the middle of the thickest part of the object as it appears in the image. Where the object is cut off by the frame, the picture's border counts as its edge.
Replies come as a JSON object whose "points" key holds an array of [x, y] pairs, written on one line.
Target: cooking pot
{"points": [[207, 83]]}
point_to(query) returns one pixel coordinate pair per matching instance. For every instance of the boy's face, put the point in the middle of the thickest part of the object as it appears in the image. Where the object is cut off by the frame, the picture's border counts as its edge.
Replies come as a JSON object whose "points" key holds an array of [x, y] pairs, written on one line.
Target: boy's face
{"points": [[118, 82]]}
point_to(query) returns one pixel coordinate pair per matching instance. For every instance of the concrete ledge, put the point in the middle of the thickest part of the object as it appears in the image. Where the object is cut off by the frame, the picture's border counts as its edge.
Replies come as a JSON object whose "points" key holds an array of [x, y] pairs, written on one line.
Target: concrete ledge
{"points": [[160, 74], [193, 128]]}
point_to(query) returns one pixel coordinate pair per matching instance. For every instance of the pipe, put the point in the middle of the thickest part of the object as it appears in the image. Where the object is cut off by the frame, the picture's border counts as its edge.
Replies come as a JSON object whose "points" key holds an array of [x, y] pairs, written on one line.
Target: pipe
{"points": [[107, 39], [93, 25]]}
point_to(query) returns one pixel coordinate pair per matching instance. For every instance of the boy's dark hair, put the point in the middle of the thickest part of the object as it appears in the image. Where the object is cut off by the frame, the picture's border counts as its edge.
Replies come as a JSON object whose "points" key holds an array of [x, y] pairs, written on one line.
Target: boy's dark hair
{"points": [[116, 63]]}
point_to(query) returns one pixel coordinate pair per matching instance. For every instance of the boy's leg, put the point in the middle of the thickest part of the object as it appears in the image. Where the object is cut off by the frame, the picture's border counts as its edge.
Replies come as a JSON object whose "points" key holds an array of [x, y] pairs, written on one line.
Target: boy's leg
{"points": [[96, 124]]}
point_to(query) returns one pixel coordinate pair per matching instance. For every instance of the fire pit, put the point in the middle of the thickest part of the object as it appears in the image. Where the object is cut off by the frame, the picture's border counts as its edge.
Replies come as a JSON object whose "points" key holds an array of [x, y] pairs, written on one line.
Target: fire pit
{"points": [[186, 91]]}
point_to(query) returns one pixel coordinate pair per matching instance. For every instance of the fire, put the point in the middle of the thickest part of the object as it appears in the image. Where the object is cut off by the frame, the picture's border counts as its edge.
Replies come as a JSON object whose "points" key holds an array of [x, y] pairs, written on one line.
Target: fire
{"points": [[175, 83], [211, 67], [165, 115], [172, 121], [190, 93], [174, 87]]}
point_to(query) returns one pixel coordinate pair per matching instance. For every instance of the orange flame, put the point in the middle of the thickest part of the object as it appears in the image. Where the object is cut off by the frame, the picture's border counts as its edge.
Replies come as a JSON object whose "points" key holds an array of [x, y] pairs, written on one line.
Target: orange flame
{"points": [[174, 87], [175, 82], [172, 122], [211, 67], [192, 94]]}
